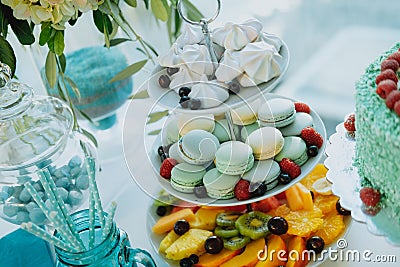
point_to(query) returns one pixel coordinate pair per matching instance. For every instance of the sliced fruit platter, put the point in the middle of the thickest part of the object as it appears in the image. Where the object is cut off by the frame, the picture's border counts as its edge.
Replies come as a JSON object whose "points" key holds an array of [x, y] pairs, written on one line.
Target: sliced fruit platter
{"points": [[303, 220], [276, 142]]}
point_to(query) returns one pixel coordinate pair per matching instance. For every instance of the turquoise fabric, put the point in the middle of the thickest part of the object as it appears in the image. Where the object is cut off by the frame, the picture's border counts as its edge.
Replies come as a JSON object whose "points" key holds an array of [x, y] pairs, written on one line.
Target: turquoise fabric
{"points": [[22, 249]]}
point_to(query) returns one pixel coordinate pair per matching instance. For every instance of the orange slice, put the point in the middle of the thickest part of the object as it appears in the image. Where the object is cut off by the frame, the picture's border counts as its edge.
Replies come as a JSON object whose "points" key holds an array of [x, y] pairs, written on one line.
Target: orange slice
{"points": [[294, 199], [326, 204], [302, 223], [317, 173], [306, 197], [333, 226]]}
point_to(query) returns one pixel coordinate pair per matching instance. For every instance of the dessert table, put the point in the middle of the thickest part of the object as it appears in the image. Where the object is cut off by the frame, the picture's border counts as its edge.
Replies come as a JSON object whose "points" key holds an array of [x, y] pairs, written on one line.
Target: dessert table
{"points": [[319, 52]]}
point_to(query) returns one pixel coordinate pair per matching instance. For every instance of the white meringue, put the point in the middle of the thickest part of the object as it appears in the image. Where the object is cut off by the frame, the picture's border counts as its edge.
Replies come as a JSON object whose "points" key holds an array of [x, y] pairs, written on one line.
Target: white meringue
{"points": [[198, 59], [184, 77], [190, 35], [236, 36], [172, 58], [229, 67], [209, 93], [271, 39], [261, 62]]}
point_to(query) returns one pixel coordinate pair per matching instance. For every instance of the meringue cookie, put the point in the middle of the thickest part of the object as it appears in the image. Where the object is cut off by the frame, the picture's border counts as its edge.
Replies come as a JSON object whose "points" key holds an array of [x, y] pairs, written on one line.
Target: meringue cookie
{"points": [[190, 35], [271, 39], [172, 58], [236, 36], [261, 62], [183, 77], [198, 58], [229, 67], [209, 93]]}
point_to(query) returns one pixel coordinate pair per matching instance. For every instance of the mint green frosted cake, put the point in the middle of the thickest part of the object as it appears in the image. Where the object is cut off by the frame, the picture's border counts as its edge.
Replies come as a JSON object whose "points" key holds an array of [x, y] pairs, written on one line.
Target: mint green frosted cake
{"points": [[378, 139]]}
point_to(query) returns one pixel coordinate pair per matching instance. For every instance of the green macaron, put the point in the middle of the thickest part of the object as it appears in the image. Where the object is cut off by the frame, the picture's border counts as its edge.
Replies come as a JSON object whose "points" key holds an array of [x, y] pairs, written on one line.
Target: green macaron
{"points": [[277, 112], [234, 158], [219, 185], [185, 176], [301, 121], [294, 148]]}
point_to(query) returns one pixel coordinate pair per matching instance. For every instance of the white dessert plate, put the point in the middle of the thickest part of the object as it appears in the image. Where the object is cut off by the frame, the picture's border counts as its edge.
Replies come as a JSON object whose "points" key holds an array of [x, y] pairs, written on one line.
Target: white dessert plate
{"points": [[346, 184], [155, 239], [151, 145], [169, 99]]}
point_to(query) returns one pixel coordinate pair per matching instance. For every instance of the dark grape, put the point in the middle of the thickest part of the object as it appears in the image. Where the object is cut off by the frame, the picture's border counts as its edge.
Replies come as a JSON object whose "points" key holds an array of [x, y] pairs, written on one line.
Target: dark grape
{"points": [[161, 210], [316, 244], [163, 157], [164, 81], [200, 191], [184, 101], [214, 244], [172, 71], [341, 210], [234, 87], [312, 194], [194, 103], [185, 262], [259, 189], [312, 151], [194, 258], [278, 225], [184, 91], [160, 150], [284, 178], [181, 227]]}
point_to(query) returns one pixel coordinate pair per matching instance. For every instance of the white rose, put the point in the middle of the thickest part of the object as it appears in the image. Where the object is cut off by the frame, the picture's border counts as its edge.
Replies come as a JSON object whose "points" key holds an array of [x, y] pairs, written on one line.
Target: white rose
{"points": [[39, 14], [22, 11]]}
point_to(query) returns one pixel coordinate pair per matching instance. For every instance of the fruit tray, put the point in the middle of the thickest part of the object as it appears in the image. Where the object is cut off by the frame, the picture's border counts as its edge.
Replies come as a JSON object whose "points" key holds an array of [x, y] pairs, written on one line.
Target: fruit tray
{"points": [[155, 239], [152, 143], [346, 184], [169, 99]]}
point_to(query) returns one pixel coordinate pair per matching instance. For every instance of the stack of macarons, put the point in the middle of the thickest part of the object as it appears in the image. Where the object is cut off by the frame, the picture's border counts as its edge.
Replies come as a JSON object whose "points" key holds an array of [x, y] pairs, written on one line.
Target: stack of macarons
{"points": [[264, 134]]}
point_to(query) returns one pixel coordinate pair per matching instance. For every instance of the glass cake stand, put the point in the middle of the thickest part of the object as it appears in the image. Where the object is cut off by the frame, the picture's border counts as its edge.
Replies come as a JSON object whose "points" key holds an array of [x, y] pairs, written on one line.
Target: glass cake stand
{"points": [[346, 184]]}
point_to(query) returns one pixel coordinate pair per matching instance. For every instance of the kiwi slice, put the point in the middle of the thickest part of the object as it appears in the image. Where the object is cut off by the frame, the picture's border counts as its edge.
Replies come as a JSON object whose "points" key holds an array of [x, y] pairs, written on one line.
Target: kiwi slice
{"points": [[227, 218], [253, 224], [226, 231], [165, 199], [236, 242]]}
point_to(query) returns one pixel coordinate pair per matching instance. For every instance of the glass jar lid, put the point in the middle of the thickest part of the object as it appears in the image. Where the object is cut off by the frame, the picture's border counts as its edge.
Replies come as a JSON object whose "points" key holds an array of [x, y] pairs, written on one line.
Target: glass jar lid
{"points": [[31, 128]]}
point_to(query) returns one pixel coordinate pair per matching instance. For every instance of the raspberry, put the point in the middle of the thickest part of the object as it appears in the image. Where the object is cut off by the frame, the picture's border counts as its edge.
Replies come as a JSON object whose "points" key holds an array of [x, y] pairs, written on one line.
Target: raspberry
{"points": [[288, 166], [397, 108], [392, 98], [370, 196], [311, 137], [166, 167], [390, 64], [242, 190], [349, 123], [385, 87], [302, 107], [395, 56], [386, 74]]}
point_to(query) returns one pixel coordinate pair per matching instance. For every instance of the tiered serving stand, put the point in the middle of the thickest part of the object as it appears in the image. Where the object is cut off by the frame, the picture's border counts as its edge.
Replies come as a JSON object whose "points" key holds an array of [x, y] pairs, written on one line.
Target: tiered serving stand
{"points": [[166, 101]]}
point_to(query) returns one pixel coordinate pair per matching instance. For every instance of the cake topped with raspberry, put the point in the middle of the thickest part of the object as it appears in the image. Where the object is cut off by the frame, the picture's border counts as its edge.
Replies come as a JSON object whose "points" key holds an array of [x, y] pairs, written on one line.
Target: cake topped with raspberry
{"points": [[377, 120]]}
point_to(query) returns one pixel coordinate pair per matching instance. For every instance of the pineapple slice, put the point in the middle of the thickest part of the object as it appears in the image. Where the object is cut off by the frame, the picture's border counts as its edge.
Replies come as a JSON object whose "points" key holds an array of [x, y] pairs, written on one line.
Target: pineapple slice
{"points": [[167, 241], [191, 242]]}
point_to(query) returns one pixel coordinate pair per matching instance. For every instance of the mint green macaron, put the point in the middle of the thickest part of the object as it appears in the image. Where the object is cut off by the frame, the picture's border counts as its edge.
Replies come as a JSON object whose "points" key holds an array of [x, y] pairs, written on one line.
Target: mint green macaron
{"points": [[277, 112], [294, 148], [247, 130], [263, 171], [198, 147], [234, 158], [221, 130], [185, 176], [219, 185], [301, 121]]}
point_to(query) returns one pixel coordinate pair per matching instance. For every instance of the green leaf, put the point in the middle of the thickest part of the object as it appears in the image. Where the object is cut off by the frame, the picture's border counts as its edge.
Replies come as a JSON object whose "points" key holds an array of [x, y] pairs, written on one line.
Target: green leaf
{"points": [[132, 3], [159, 10], [178, 24], [143, 94], [90, 136], [51, 69], [102, 22], [156, 116], [192, 12], [129, 71], [45, 33], [104, 8], [74, 87], [7, 55], [23, 31], [117, 41], [146, 3], [63, 62], [58, 43], [155, 132], [150, 47], [3, 21]]}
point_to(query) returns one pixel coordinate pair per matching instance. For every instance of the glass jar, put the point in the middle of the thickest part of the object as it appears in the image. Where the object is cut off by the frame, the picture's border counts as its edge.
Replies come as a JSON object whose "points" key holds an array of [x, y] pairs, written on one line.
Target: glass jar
{"points": [[36, 132], [111, 251]]}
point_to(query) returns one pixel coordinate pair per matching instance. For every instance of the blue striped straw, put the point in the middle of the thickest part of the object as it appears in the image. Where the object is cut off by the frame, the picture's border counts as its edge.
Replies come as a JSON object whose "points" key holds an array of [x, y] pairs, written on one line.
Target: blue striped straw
{"points": [[91, 169], [110, 220], [91, 221], [39, 232], [61, 228], [58, 205]]}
